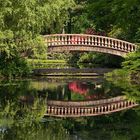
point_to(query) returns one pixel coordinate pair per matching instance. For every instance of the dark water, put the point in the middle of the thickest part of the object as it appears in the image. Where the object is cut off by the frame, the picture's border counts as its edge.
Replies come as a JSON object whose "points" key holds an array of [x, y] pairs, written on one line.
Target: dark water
{"points": [[23, 104]]}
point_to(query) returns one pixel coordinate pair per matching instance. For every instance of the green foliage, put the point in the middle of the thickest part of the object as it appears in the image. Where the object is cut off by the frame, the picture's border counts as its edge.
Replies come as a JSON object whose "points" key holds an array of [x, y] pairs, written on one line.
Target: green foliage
{"points": [[13, 66], [21, 23], [122, 79], [95, 60], [132, 61], [128, 78], [81, 23], [20, 117], [130, 67], [73, 58], [117, 18], [14, 110], [58, 56], [107, 60]]}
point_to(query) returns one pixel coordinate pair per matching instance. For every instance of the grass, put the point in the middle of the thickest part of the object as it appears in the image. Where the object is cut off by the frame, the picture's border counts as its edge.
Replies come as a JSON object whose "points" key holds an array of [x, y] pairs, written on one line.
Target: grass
{"points": [[39, 63], [45, 61]]}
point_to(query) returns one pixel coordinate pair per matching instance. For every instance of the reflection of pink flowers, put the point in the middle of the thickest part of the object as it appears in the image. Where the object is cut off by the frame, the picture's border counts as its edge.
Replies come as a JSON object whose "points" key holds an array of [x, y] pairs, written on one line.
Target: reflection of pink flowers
{"points": [[83, 89], [80, 88]]}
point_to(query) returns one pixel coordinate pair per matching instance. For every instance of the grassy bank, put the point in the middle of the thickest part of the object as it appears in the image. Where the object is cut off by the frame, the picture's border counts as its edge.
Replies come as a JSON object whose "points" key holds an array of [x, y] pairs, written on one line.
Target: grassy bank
{"points": [[39, 63]]}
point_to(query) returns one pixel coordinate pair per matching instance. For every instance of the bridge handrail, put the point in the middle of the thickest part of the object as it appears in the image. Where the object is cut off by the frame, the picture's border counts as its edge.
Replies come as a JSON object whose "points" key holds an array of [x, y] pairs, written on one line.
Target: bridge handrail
{"points": [[114, 39], [85, 42]]}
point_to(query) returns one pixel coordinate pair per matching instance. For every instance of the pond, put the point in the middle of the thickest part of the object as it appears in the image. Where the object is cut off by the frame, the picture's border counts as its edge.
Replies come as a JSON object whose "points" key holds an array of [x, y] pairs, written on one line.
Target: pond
{"points": [[23, 104]]}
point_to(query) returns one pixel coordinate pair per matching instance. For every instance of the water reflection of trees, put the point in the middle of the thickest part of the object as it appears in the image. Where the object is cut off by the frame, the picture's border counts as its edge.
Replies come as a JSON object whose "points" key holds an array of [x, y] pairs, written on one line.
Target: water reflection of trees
{"points": [[16, 114], [20, 121], [36, 131], [80, 90], [130, 88], [123, 125], [118, 126]]}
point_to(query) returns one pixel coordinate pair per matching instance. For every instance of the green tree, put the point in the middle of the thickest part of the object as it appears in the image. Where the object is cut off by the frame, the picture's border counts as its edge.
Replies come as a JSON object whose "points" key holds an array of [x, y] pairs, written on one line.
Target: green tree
{"points": [[22, 22], [118, 18]]}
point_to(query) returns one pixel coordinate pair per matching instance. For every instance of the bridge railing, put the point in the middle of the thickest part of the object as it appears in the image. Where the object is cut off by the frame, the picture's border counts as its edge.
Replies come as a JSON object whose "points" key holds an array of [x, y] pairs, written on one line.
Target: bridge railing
{"points": [[89, 111], [88, 40]]}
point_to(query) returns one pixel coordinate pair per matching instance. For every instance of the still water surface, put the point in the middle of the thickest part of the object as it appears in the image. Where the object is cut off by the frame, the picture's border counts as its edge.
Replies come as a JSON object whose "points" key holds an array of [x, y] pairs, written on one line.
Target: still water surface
{"points": [[23, 104]]}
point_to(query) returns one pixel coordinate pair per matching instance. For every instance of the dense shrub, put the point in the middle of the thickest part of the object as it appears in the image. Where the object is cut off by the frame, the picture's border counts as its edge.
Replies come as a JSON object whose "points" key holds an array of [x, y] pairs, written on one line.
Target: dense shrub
{"points": [[13, 66]]}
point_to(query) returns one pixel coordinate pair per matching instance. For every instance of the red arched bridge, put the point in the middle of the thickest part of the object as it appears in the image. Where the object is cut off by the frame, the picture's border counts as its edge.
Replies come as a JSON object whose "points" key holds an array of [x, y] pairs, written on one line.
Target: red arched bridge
{"points": [[88, 108], [84, 42]]}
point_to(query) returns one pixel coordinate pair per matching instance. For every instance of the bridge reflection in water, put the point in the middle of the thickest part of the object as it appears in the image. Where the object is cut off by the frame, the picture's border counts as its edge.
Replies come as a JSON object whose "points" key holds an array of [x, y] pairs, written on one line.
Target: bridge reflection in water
{"points": [[88, 108], [73, 98]]}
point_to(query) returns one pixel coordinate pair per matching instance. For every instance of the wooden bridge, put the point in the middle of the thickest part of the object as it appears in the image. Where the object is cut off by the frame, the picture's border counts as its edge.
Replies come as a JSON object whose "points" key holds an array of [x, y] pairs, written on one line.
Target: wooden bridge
{"points": [[84, 42], [88, 108]]}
